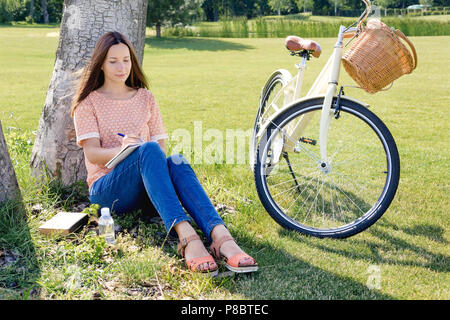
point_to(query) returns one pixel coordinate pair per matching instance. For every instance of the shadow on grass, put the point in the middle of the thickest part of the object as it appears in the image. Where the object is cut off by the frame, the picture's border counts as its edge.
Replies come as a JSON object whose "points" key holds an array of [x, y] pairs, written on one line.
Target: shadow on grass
{"points": [[370, 250], [19, 267], [284, 276], [435, 233], [195, 44], [281, 275]]}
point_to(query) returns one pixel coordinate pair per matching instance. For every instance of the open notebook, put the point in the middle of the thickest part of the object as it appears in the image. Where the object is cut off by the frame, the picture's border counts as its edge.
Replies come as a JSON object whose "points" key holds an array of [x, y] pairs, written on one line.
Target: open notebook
{"points": [[125, 152]]}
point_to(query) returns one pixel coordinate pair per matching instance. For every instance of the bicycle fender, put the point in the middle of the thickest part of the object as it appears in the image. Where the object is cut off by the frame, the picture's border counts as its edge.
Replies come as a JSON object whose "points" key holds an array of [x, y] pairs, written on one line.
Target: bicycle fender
{"points": [[285, 73], [292, 104]]}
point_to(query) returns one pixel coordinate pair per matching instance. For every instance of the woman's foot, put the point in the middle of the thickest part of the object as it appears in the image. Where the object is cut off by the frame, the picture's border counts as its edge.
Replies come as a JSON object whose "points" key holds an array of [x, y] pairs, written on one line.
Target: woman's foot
{"points": [[230, 248], [192, 249], [224, 245], [196, 250]]}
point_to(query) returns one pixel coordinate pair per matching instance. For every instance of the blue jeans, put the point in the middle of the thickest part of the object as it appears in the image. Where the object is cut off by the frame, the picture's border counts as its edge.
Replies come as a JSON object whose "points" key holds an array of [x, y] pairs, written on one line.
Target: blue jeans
{"points": [[147, 174]]}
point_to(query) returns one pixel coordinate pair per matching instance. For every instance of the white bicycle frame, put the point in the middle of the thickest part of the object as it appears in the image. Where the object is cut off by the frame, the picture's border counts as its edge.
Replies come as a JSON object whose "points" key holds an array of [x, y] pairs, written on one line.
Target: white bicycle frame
{"points": [[324, 86]]}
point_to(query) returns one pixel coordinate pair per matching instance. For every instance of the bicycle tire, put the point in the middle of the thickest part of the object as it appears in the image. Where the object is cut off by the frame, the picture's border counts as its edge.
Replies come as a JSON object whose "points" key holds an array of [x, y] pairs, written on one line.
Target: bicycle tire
{"points": [[351, 111], [280, 77]]}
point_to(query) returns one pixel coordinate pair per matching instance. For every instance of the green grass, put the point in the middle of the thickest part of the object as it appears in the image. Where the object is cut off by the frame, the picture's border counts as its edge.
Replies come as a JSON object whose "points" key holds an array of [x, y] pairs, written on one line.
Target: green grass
{"points": [[305, 26], [218, 82]]}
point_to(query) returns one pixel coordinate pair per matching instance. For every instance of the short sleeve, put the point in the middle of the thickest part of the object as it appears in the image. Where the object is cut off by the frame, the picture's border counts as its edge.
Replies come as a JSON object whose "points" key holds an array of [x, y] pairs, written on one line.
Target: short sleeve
{"points": [[85, 121], [156, 125]]}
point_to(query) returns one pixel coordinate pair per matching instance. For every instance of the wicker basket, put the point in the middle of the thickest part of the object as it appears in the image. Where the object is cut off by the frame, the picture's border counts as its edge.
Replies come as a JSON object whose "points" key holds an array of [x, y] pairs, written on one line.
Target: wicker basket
{"points": [[378, 57]]}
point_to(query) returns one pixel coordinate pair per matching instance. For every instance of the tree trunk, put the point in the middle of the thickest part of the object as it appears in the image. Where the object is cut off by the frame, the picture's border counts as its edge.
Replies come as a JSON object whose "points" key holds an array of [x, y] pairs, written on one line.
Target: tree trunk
{"points": [[158, 29], [83, 22], [216, 13], [31, 9], [45, 11], [9, 188]]}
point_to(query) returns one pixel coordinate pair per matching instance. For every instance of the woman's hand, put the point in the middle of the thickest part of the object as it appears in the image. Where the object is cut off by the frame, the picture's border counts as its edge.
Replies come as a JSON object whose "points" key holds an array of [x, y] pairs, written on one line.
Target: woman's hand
{"points": [[95, 153], [131, 139]]}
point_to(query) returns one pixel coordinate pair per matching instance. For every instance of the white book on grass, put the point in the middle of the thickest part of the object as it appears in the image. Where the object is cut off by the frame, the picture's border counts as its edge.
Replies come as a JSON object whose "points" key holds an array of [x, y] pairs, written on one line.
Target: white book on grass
{"points": [[125, 152]]}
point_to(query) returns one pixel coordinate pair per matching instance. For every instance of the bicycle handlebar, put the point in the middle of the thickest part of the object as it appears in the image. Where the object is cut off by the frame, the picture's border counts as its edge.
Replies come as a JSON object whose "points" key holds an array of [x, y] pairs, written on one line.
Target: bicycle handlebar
{"points": [[365, 13], [361, 19]]}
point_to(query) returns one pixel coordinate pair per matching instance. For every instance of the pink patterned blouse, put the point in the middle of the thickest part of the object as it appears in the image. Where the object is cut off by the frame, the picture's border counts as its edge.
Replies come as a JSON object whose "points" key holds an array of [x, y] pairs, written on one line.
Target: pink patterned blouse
{"points": [[100, 117]]}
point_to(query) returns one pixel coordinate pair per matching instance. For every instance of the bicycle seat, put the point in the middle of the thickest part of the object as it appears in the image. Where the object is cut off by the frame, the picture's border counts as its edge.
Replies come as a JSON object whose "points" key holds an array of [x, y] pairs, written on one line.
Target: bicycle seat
{"points": [[294, 43]]}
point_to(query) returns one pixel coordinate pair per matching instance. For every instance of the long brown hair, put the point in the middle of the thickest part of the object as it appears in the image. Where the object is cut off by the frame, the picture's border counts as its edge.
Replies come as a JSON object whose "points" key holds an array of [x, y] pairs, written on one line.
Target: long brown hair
{"points": [[92, 76]]}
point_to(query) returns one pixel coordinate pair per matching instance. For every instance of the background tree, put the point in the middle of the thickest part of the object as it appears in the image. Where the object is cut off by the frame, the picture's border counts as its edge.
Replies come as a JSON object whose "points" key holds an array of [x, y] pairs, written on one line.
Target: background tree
{"points": [[83, 22], [338, 4], [384, 3], [426, 2], [214, 9], [44, 11], [31, 10], [323, 7], [211, 9], [305, 5], [261, 8], [279, 5], [171, 12], [186, 11]]}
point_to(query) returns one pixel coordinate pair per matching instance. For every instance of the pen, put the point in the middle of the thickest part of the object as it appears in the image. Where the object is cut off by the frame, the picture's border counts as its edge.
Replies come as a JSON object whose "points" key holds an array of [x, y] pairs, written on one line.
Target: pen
{"points": [[122, 135]]}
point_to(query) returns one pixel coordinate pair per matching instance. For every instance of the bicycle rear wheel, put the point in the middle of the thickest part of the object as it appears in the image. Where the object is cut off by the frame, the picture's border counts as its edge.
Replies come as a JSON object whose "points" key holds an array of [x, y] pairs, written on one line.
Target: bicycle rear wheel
{"points": [[272, 98], [346, 196]]}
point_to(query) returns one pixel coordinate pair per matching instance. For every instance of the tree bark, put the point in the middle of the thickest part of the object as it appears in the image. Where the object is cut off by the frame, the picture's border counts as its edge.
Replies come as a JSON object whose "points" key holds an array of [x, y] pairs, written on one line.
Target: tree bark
{"points": [[158, 29], [31, 9], [45, 11], [83, 22], [9, 188]]}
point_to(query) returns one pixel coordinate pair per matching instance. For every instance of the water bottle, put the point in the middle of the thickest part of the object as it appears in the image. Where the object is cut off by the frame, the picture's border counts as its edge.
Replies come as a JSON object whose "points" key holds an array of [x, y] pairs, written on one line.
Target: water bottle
{"points": [[106, 226]]}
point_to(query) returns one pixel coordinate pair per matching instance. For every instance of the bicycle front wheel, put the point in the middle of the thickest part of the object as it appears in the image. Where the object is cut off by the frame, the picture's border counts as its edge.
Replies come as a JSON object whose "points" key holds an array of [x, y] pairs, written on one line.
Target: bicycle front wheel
{"points": [[342, 197]]}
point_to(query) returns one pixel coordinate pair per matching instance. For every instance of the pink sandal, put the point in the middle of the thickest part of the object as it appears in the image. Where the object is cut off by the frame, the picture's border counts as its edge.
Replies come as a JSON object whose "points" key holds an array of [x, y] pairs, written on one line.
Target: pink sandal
{"points": [[232, 263], [194, 263]]}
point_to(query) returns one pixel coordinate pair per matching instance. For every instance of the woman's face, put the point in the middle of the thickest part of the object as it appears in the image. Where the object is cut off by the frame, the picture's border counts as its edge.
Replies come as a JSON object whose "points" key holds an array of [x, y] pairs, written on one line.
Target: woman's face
{"points": [[117, 64]]}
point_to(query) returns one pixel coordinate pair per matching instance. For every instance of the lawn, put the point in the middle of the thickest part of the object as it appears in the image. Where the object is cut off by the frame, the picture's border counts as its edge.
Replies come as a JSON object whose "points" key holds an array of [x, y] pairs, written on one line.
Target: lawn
{"points": [[306, 26], [215, 83]]}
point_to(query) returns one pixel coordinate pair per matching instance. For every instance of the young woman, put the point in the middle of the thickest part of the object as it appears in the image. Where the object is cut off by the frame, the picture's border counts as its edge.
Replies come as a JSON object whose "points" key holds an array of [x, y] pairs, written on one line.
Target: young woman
{"points": [[112, 98]]}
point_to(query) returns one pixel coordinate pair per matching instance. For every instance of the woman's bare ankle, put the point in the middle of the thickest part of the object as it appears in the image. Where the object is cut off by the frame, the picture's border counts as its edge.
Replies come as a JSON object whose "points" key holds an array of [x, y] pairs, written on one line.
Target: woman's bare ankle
{"points": [[184, 229], [218, 232], [228, 248], [195, 248]]}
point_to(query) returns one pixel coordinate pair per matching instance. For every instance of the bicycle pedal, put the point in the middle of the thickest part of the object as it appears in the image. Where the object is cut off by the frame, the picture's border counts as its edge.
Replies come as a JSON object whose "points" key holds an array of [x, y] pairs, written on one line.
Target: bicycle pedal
{"points": [[307, 140]]}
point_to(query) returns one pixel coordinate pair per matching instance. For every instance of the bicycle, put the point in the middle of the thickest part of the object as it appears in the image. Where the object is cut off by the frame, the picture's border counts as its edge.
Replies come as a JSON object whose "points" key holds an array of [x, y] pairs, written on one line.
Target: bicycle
{"points": [[324, 164]]}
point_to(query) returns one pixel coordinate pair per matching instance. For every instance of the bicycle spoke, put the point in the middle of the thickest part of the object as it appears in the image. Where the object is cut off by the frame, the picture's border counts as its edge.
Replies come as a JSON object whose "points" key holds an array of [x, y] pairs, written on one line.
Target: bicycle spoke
{"points": [[352, 160], [353, 182], [310, 153], [331, 200], [339, 202], [311, 205], [305, 201], [343, 192], [284, 191], [295, 200], [293, 179]]}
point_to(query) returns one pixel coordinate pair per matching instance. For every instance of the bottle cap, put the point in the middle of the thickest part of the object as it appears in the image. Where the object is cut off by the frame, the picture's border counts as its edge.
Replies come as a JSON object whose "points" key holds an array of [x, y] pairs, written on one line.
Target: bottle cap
{"points": [[105, 212]]}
